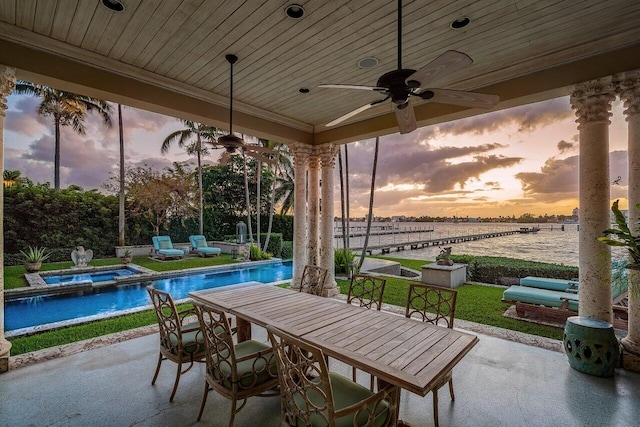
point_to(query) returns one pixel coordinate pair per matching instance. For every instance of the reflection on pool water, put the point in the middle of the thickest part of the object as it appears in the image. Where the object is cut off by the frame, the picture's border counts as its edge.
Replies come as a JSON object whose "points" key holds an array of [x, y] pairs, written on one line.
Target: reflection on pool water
{"points": [[99, 276], [35, 311]]}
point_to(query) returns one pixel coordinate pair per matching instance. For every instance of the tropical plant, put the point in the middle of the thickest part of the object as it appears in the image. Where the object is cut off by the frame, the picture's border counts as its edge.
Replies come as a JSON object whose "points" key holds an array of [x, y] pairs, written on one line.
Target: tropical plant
{"points": [[284, 191], [622, 236], [67, 109], [256, 254], [13, 177], [183, 137], [35, 254], [343, 260]]}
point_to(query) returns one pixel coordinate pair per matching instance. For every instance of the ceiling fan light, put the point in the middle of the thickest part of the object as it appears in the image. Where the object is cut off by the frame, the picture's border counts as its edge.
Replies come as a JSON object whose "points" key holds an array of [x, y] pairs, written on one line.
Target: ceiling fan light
{"points": [[230, 140], [369, 62], [113, 5], [294, 11], [462, 22], [304, 90]]}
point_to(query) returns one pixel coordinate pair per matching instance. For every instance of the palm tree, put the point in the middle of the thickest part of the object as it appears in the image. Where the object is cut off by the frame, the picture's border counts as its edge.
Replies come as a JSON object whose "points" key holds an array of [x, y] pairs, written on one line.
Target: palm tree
{"points": [[12, 177], [284, 191], [121, 214], [272, 198], [373, 187], [183, 137], [67, 109]]}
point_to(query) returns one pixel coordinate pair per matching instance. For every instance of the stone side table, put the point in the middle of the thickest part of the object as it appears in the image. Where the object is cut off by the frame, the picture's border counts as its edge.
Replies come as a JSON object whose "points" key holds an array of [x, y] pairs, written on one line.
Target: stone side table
{"points": [[446, 276]]}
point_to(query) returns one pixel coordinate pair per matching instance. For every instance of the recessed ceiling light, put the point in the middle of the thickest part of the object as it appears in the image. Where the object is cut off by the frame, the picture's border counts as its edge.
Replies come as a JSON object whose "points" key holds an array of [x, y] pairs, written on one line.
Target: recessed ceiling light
{"points": [[460, 23], [304, 90], [114, 5], [294, 11], [369, 62]]}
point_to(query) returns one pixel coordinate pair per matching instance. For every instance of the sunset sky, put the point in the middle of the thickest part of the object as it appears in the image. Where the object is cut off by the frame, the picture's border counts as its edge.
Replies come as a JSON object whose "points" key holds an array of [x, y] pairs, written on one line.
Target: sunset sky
{"points": [[509, 162]]}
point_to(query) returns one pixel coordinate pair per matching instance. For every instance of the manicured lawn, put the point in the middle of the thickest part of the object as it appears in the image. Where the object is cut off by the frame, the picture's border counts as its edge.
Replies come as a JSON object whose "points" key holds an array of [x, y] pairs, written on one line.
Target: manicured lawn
{"points": [[414, 264]]}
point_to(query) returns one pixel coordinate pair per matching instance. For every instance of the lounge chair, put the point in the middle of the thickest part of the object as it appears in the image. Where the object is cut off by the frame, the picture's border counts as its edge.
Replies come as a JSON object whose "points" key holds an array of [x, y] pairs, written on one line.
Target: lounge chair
{"points": [[560, 285], [164, 248], [199, 244], [545, 302]]}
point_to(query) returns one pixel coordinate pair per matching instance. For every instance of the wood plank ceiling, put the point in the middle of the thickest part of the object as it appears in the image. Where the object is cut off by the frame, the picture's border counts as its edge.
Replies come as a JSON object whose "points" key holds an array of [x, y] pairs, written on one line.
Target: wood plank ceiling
{"points": [[180, 45]]}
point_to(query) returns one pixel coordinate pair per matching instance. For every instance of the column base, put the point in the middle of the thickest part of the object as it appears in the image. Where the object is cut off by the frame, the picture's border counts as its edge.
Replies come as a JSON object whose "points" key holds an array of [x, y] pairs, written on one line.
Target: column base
{"points": [[630, 355], [5, 347], [332, 290]]}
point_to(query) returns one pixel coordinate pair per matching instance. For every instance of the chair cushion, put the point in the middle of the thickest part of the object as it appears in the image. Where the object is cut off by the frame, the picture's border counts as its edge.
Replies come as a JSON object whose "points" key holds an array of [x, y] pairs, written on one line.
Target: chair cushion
{"points": [[208, 250], [192, 341], [165, 244], [345, 393], [200, 242], [171, 252], [550, 284], [247, 368], [540, 296]]}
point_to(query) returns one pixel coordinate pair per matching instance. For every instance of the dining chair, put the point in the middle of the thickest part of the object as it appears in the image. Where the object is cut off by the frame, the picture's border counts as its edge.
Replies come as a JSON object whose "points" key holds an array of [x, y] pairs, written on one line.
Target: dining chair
{"points": [[433, 305], [366, 291], [236, 371], [313, 396], [181, 340], [313, 278]]}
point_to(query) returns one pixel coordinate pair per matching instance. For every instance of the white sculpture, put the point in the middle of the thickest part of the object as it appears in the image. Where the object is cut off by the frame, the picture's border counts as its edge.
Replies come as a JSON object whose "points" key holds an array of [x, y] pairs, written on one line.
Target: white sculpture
{"points": [[81, 257]]}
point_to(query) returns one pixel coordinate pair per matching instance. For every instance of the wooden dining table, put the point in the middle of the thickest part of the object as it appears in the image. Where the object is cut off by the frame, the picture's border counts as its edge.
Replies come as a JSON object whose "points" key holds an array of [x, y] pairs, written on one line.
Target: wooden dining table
{"points": [[404, 352]]}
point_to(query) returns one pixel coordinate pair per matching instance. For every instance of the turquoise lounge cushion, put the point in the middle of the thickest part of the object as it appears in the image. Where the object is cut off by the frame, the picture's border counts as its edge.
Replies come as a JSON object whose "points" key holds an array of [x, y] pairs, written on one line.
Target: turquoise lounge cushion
{"points": [[164, 244], [200, 242], [540, 297], [345, 393], [550, 284], [171, 252], [208, 250]]}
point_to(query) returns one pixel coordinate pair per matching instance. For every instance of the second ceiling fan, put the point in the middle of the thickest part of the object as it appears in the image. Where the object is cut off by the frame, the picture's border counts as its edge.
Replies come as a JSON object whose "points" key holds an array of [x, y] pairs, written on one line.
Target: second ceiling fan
{"points": [[401, 84]]}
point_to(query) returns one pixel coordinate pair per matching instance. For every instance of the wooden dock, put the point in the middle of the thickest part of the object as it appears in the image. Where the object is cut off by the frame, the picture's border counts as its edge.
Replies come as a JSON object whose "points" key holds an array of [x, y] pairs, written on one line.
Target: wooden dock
{"points": [[438, 241]]}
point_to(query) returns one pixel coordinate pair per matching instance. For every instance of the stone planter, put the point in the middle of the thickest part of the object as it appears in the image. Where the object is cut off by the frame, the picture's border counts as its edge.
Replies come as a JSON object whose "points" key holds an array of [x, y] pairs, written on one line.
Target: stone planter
{"points": [[591, 346], [126, 260], [33, 267]]}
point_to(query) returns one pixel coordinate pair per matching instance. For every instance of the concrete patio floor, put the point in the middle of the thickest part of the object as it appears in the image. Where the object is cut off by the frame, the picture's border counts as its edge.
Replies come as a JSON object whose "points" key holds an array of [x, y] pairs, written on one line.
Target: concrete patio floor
{"points": [[500, 383]]}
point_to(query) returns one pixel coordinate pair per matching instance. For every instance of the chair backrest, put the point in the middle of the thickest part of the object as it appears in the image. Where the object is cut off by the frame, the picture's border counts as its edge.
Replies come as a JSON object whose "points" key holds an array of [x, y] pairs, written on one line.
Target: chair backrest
{"points": [[198, 241], [221, 357], [304, 381], [431, 304], [313, 279], [168, 320], [162, 242], [367, 291]]}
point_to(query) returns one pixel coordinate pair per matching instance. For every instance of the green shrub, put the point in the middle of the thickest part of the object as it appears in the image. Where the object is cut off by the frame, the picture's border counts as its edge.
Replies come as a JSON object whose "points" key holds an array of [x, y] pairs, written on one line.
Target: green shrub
{"points": [[275, 243], [287, 250], [343, 259], [256, 254], [507, 271]]}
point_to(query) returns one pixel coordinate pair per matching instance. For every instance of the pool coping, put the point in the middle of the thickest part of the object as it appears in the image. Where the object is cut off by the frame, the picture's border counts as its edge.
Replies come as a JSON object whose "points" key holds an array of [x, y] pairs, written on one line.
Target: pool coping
{"points": [[148, 278]]}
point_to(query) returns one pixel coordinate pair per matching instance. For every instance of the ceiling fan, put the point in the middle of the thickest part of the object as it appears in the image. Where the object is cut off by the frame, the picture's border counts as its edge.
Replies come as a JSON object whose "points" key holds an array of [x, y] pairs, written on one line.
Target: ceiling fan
{"points": [[401, 84], [232, 143]]}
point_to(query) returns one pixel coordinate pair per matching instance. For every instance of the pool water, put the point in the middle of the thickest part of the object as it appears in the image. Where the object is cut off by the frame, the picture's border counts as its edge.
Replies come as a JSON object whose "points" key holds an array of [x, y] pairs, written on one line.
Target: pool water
{"points": [[99, 276], [42, 310]]}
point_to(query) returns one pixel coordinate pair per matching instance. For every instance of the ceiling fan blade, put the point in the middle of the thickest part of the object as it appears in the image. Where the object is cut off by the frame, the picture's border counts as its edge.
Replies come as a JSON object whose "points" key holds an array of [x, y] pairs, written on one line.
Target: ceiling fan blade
{"points": [[406, 118], [464, 99], [224, 158], [359, 87], [350, 114], [445, 64], [260, 157], [259, 149]]}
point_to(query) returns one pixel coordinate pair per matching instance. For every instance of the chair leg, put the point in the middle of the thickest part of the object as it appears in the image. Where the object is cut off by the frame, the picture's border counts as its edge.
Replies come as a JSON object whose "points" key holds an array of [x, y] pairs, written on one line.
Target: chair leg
{"points": [[155, 376], [435, 407], [451, 389], [204, 399], [175, 385], [233, 411]]}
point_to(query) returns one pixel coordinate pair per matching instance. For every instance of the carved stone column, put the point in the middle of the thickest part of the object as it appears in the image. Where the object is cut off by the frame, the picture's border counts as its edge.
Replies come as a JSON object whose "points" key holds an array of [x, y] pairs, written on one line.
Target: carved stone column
{"points": [[328, 161], [592, 104], [629, 89], [313, 247], [300, 161], [7, 84]]}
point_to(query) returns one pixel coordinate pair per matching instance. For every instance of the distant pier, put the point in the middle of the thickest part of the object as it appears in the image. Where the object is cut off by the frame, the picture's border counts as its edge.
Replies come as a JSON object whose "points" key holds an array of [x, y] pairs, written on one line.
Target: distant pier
{"points": [[438, 241]]}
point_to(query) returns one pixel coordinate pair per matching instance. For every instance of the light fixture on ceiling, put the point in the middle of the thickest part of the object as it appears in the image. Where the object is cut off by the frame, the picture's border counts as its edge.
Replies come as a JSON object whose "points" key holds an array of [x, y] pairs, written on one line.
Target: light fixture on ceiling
{"points": [[369, 62], [294, 11], [304, 90], [113, 5], [460, 23]]}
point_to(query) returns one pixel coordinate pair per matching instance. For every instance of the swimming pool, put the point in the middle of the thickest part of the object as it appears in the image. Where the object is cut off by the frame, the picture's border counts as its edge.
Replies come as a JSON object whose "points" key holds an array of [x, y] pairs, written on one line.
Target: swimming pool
{"points": [[99, 276], [33, 312]]}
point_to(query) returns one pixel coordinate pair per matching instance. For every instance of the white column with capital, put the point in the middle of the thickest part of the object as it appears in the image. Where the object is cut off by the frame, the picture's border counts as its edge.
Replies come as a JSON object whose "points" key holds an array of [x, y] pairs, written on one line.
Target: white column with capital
{"points": [[300, 162], [328, 162], [592, 104], [7, 84], [629, 89], [313, 243]]}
